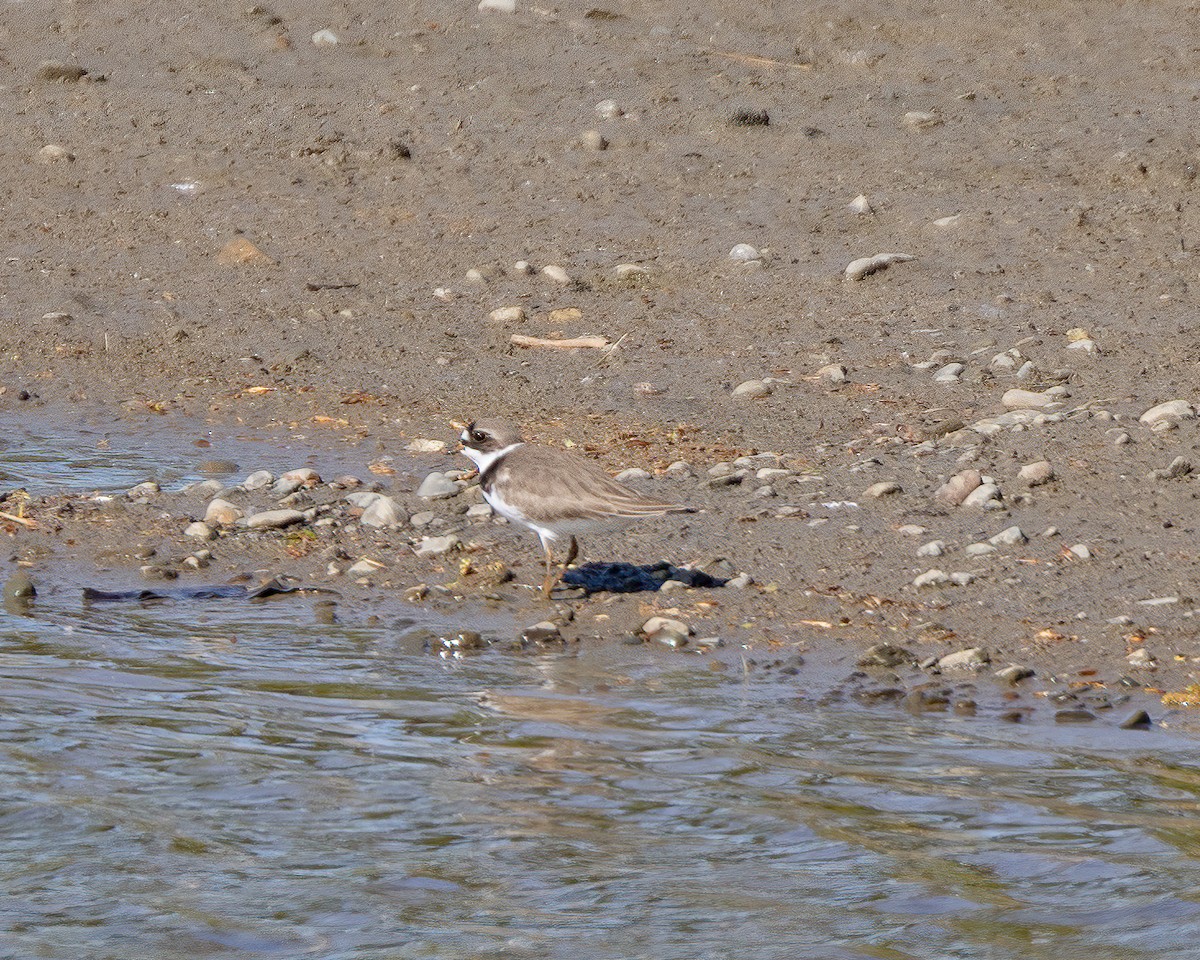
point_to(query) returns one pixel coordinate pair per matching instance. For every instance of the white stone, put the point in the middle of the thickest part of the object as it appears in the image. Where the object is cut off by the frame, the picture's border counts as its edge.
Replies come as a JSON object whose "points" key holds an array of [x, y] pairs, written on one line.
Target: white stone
{"points": [[222, 513], [950, 373], [1035, 474], [743, 253], [1008, 537], [498, 6], [274, 519], [883, 488], [1080, 551], [623, 270], [986, 496], [932, 578], [934, 548], [752, 390], [507, 315], [860, 205], [199, 530], [1171, 410], [258, 480], [834, 373], [324, 38], [633, 473], [556, 273], [1017, 399], [422, 445]]}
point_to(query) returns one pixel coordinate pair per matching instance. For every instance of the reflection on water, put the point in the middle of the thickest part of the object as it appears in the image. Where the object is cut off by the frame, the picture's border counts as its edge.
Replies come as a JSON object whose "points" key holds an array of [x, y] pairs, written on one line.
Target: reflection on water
{"points": [[213, 780]]}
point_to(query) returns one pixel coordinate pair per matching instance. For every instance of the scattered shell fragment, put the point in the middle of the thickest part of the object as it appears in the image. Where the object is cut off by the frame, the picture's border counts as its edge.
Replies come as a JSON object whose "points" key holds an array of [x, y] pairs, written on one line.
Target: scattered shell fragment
{"points": [[921, 119], [860, 205], [588, 343], [744, 253], [865, 266], [752, 390], [324, 38]]}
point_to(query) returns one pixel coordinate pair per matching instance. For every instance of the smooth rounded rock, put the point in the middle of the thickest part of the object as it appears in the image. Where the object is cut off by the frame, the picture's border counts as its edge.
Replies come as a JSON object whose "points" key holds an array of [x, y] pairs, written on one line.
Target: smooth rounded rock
{"points": [[974, 658], [258, 480], [437, 486], [955, 490], [986, 496], [752, 390], [437, 546], [1171, 410], [274, 519], [744, 253], [1035, 474], [1018, 399], [383, 512], [223, 513], [199, 530]]}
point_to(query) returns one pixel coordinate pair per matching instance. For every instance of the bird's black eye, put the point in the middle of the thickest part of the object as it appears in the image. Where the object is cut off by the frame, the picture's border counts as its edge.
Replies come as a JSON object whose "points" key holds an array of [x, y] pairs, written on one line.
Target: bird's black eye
{"points": [[478, 436]]}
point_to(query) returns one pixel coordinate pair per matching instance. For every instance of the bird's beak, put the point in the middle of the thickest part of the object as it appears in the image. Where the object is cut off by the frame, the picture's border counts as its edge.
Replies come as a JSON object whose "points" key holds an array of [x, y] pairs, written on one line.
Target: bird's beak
{"points": [[460, 429]]}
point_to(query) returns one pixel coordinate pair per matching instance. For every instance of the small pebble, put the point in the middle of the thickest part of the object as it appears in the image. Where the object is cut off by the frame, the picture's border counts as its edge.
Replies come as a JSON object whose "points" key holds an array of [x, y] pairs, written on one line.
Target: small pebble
{"points": [[324, 38], [1035, 474], [753, 390], [1179, 467], [593, 140], [626, 270], [1138, 720], [383, 512], [421, 445], [507, 315], [199, 530], [932, 578], [1014, 674], [498, 6], [54, 153], [222, 513], [437, 486], [974, 658], [744, 253], [1171, 410], [274, 519], [834, 373], [258, 480], [1080, 551], [1017, 399], [437, 546], [860, 205], [950, 373], [364, 567], [556, 273], [921, 119], [608, 110], [1009, 537], [934, 548], [884, 488], [984, 497]]}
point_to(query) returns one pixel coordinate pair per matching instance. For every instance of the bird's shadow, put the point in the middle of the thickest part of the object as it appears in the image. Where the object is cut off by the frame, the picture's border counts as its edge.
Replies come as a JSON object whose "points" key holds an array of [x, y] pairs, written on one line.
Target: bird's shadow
{"points": [[630, 578]]}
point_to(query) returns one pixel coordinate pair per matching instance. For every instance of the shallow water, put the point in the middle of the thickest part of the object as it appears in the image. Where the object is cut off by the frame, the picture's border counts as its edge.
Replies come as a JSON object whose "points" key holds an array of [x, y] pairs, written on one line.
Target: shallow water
{"points": [[235, 779], [216, 779], [44, 455]]}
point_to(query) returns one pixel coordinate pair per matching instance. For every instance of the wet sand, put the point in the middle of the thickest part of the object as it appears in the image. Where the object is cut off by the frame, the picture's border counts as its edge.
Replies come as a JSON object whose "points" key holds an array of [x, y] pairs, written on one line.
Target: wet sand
{"points": [[243, 231]]}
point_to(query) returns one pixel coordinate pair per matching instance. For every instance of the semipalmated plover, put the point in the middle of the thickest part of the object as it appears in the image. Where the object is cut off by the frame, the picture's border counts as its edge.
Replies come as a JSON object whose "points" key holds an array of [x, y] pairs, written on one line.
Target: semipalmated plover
{"points": [[554, 493]]}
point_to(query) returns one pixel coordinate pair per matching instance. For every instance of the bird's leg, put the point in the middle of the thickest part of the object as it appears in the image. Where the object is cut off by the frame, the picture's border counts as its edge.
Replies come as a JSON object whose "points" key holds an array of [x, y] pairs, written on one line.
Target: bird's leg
{"points": [[551, 574], [571, 555]]}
